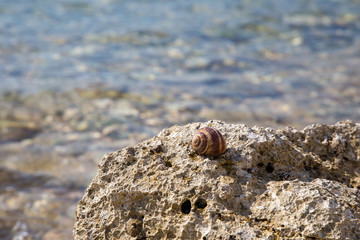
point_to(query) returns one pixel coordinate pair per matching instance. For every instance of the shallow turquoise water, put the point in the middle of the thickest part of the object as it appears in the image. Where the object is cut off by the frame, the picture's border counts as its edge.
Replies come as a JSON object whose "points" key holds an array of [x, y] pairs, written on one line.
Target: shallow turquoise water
{"points": [[67, 44], [253, 53]]}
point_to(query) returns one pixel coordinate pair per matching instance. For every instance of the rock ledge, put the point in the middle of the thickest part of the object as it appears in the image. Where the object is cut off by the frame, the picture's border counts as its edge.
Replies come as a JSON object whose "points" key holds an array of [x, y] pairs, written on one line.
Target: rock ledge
{"points": [[267, 185]]}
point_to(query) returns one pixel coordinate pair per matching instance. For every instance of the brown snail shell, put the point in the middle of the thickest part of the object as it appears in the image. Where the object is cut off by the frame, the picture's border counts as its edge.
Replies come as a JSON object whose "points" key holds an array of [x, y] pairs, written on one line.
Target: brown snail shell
{"points": [[208, 141]]}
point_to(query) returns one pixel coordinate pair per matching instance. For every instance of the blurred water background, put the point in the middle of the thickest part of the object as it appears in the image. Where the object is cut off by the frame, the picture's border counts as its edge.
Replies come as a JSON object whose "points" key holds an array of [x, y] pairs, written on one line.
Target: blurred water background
{"points": [[81, 78]]}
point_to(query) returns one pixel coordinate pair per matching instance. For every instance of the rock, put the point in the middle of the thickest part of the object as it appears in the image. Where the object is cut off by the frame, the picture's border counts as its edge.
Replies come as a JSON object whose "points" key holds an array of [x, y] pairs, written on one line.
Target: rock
{"points": [[267, 185], [318, 209], [16, 131]]}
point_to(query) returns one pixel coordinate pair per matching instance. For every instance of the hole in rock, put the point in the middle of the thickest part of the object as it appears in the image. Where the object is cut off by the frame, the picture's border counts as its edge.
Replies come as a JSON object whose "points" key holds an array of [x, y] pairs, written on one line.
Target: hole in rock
{"points": [[260, 164], [270, 168], [168, 164], [307, 168], [186, 207], [157, 149], [200, 203]]}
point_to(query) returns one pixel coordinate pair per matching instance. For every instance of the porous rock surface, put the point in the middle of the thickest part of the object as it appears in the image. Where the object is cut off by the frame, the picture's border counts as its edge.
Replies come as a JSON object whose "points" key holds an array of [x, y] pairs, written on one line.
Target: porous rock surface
{"points": [[285, 184]]}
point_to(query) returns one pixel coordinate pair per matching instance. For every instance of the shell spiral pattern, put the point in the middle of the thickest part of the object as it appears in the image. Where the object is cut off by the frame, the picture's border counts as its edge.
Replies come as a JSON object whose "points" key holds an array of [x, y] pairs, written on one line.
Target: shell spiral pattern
{"points": [[208, 141]]}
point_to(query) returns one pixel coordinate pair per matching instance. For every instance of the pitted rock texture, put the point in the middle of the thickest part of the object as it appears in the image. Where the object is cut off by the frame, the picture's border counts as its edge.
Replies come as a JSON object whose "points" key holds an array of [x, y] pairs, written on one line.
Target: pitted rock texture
{"points": [[285, 184]]}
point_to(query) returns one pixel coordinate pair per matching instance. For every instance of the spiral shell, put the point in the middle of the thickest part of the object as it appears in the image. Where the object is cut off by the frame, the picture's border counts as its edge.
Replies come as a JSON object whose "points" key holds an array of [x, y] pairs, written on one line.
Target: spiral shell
{"points": [[208, 141]]}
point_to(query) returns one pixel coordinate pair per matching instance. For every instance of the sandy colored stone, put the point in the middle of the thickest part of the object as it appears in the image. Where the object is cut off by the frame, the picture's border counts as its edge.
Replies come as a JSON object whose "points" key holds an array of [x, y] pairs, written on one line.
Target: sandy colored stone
{"points": [[269, 184]]}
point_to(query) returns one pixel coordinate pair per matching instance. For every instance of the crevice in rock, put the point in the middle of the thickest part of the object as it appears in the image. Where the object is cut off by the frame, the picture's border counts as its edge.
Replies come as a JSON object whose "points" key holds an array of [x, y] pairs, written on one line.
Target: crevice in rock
{"points": [[200, 203], [270, 168], [186, 207]]}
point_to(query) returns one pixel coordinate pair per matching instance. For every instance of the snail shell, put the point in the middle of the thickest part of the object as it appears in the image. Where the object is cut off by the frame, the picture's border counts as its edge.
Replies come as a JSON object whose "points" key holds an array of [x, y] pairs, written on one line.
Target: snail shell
{"points": [[208, 141]]}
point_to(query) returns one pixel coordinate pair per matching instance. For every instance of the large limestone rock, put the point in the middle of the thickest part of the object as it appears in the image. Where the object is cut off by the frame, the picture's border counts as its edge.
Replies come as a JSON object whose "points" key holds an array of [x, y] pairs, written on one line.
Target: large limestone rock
{"points": [[285, 184]]}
